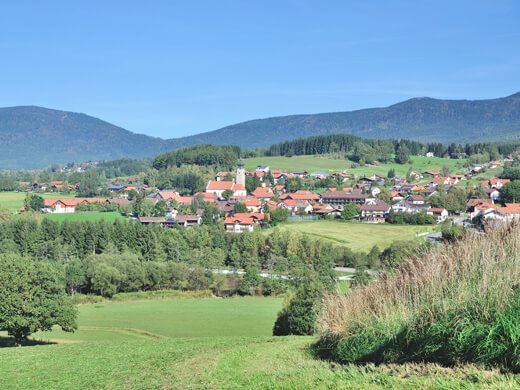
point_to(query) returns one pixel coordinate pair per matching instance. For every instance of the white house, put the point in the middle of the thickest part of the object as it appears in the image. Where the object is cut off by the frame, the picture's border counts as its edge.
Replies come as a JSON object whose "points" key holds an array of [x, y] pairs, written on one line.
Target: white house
{"points": [[440, 214]]}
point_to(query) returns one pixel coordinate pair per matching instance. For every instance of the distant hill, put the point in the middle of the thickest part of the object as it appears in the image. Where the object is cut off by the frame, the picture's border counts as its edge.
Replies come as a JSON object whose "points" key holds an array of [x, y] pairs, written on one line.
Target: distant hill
{"points": [[34, 137], [420, 119]]}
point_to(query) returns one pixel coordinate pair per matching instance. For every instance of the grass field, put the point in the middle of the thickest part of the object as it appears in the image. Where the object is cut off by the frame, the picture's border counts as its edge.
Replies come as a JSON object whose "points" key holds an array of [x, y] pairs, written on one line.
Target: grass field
{"points": [[358, 236], [173, 318], [144, 345], [13, 201], [85, 216], [311, 164]]}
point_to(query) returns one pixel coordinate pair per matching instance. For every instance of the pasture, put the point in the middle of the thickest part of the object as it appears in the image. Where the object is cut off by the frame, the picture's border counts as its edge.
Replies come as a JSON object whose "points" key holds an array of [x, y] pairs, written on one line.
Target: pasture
{"points": [[13, 201], [173, 318], [327, 164], [90, 216], [116, 348], [357, 236]]}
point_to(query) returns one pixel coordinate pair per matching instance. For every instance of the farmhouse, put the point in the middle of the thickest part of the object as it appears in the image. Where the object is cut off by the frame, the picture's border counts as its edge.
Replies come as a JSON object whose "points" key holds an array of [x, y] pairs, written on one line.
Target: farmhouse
{"points": [[341, 198], [440, 214]]}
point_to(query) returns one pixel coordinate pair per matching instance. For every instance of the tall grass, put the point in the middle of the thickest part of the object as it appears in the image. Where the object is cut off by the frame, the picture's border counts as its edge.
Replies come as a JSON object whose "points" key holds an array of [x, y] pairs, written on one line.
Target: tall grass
{"points": [[454, 305]]}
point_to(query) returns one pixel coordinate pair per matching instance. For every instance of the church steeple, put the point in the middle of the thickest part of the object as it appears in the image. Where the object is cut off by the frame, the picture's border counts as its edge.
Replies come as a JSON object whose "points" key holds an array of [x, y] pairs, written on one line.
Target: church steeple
{"points": [[241, 173]]}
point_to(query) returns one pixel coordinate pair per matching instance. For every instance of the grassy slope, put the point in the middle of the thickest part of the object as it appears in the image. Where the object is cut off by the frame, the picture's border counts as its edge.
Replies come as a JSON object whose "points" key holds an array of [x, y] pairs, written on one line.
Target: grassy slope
{"points": [[118, 355], [311, 164], [358, 236], [86, 216], [174, 318], [14, 200]]}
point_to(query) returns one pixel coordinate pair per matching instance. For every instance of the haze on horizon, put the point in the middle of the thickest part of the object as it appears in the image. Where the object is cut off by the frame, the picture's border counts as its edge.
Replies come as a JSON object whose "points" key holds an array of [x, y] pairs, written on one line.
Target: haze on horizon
{"points": [[174, 70]]}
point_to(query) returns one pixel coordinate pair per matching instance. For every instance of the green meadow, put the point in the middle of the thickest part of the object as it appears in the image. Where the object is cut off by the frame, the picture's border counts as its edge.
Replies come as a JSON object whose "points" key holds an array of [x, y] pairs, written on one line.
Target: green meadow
{"points": [[358, 236], [206, 344], [327, 164], [13, 201], [90, 216]]}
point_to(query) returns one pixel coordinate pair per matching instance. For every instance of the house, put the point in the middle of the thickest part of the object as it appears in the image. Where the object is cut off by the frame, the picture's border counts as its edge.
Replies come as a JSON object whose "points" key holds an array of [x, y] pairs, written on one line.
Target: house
{"points": [[415, 199], [311, 197], [493, 193], [325, 209], [218, 188], [427, 192], [509, 159], [396, 196], [296, 206], [439, 213], [341, 198], [63, 206], [187, 220], [263, 168], [263, 193], [472, 203], [301, 174], [241, 222], [429, 154], [432, 173], [319, 175], [409, 207], [253, 204], [496, 183], [510, 212], [374, 211], [494, 164]]}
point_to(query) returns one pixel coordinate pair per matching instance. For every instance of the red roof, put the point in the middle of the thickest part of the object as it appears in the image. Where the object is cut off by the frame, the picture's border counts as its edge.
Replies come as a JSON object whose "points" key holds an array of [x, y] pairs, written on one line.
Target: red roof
{"points": [[436, 209], [220, 185]]}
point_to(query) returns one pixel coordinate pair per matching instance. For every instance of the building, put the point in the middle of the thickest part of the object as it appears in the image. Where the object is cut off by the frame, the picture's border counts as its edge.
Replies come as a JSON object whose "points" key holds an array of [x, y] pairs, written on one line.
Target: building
{"points": [[218, 188], [440, 214], [241, 174], [374, 211], [242, 222], [341, 198]]}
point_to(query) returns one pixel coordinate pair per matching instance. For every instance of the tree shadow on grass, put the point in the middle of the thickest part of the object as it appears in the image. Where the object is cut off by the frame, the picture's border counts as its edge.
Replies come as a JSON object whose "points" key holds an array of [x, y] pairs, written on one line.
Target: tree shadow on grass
{"points": [[6, 342]]}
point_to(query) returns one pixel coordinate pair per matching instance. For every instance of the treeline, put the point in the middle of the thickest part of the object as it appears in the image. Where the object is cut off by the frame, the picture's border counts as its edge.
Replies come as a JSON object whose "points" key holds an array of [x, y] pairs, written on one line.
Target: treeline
{"points": [[205, 155], [123, 167], [141, 257], [382, 148]]}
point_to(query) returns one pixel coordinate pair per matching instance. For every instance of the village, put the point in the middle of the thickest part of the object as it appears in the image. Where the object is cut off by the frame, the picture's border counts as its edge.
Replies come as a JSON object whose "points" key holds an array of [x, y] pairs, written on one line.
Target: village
{"points": [[374, 199]]}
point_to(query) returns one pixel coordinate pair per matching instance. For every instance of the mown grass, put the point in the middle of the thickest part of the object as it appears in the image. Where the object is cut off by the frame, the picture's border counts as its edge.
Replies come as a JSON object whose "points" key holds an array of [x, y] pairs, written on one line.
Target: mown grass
{"points": [[13, 201], [450, 306], [327, 164], [90, 216], [219, 363], [174, 318], [144, 345], [357, 236]]}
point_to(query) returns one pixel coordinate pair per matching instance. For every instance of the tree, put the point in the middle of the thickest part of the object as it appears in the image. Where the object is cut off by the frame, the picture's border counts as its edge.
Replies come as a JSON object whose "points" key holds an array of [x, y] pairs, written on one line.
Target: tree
{"points": [[299, 316], [249, 282], [445, 171], [74, 277], [239, 208], [279, 214], [391, 173], [227, 194], [33, 202], [350, 211], [402, 156], [510, 192], [32, 299], [160, 209]]}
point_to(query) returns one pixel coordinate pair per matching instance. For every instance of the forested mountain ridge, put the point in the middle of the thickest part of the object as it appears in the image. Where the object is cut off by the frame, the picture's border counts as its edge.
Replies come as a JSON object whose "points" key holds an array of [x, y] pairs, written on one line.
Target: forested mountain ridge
{"points": [[33, 137], [419, 119]]}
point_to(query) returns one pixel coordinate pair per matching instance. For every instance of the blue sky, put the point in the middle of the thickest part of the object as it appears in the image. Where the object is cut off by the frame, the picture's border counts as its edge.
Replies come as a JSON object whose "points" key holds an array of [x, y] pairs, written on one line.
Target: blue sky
{"points": [[170, 69]]}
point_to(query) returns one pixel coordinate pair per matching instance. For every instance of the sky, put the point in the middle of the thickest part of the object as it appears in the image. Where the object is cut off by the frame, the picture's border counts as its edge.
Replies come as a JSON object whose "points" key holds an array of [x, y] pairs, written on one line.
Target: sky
{"points": [[171, 68]]}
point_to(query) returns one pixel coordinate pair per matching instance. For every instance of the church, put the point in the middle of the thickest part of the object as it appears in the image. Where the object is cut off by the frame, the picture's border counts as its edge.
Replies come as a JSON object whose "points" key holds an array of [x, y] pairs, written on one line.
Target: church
{"points": [[237, 186]]}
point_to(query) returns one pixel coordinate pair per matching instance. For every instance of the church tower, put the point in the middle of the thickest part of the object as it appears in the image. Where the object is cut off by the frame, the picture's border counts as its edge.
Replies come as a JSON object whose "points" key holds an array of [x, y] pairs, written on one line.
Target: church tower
{"points": [[241, 173]]}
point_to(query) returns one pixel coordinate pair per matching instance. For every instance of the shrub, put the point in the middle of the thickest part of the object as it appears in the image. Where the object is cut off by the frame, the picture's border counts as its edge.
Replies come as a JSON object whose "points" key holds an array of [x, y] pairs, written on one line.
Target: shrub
{"points": [[299, 317], [452, 305]]}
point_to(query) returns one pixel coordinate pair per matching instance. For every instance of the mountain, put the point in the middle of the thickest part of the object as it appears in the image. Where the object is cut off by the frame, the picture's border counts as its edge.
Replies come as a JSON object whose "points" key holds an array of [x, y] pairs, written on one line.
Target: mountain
{"points": [[34, 137], [421, 119]]}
